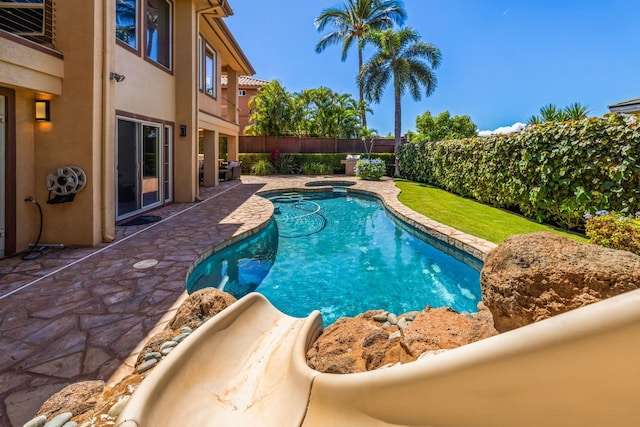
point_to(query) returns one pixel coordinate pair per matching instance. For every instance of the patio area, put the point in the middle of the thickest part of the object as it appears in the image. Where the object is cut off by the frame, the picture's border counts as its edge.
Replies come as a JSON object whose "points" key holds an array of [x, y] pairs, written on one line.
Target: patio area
{"points": [[78, 314]]}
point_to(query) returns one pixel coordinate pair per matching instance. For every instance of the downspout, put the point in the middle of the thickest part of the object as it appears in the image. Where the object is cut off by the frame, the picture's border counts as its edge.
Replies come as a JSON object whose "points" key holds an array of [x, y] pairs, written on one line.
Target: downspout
{"points": [[107, 174]]}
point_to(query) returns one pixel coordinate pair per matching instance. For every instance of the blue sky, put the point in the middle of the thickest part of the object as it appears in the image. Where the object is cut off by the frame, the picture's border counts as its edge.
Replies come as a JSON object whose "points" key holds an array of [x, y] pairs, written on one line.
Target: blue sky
{"points": [[501, 60]]}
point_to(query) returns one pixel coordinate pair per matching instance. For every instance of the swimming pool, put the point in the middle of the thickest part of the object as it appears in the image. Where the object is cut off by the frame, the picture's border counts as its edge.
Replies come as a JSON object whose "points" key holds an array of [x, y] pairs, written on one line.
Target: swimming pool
{"points": [[341, 254]]}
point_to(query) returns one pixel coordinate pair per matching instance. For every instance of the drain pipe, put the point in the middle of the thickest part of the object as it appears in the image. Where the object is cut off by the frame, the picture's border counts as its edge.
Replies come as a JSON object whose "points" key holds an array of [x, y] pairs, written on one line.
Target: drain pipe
{"points": [[108, 157]]}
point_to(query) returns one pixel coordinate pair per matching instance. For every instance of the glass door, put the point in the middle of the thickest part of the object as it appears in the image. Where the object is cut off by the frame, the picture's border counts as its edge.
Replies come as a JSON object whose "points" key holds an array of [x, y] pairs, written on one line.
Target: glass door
{"points": [[141, 178], [127, 169], [2, 173], [150, 165]]}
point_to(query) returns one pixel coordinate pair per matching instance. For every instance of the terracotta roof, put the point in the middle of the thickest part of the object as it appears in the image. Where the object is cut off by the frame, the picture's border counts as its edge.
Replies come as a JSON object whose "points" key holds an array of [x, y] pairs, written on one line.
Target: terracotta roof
{"points": [[245, 81]]}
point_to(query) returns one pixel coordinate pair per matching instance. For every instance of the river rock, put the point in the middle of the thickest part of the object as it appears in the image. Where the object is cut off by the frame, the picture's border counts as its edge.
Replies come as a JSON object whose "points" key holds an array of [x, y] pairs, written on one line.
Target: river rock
{"points": [[531, 277], [198, 306], [59, 420]]}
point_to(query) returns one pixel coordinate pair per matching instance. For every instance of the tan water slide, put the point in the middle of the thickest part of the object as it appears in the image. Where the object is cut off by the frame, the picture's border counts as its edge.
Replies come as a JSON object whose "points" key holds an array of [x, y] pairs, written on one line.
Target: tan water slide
{"points": [[246, 367]]}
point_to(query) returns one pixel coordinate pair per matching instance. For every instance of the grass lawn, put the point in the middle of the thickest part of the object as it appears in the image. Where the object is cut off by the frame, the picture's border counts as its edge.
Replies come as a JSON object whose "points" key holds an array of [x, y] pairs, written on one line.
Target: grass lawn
{"points": [[466, 215]]}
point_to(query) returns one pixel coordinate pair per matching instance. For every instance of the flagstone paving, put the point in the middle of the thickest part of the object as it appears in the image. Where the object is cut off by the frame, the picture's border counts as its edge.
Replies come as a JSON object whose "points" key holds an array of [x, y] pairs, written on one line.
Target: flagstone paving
{"points": [[77, 314]]}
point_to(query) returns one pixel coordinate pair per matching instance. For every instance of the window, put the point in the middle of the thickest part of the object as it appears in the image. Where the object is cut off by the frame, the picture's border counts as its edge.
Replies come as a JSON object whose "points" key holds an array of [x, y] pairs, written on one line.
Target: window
{"points": [[23, 17], [242, 92], [127, 22], [210, 71], [158, 32]]}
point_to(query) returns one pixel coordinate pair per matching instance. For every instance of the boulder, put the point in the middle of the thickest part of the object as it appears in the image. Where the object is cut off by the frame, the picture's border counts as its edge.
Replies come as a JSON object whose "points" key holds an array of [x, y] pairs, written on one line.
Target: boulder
{"points": [[199, 306], [76, 398], [444, 329], [367, 342], [531, 277]]}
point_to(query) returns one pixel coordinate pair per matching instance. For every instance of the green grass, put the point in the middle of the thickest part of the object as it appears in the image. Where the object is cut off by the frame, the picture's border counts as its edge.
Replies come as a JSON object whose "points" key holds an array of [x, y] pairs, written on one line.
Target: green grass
{"points": [[469, 216]]}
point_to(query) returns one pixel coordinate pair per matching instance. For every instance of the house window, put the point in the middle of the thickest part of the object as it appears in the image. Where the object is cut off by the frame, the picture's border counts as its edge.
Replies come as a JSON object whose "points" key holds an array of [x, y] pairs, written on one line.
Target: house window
{"points": [[127, 22], [23, 17], [158, 32], [242, 92], [210, 71]]}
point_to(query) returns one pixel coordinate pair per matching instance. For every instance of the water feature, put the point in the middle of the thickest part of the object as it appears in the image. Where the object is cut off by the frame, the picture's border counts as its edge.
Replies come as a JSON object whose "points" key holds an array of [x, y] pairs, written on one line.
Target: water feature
{"points": [[342, 255]]}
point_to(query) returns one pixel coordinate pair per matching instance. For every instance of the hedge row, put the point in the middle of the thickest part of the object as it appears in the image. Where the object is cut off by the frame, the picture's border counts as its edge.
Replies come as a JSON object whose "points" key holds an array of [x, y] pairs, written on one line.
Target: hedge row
{"points": [[553, 172], [297, 161]]}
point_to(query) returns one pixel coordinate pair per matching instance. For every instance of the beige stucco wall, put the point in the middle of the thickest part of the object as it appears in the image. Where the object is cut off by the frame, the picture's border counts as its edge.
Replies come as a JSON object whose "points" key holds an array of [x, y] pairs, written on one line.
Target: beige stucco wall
{"points": [[144, 84], [22, 66], [84, 101], [73, 137], [27, 225]]}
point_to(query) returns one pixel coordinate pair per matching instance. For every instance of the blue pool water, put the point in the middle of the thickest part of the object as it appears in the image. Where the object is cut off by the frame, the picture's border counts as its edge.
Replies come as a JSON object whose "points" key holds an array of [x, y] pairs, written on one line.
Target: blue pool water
{"points": [[341, 255]]}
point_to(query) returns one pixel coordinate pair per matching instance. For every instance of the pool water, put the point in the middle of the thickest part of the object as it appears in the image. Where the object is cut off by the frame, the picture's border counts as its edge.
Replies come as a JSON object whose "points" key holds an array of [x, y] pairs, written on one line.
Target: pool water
{"points": [[342, 255]]}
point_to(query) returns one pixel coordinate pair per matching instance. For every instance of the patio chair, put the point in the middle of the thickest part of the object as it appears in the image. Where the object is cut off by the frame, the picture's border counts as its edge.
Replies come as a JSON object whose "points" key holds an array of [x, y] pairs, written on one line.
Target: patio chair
{"points": [[231, 170]]}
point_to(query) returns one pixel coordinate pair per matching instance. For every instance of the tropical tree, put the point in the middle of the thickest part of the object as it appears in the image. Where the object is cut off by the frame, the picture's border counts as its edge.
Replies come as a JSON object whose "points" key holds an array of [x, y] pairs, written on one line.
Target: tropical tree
{"points": [[405, 61], [317, 112], [352, 21], [442, 127], [272, 111], [551, 113], [322, 112], [576, 111]]}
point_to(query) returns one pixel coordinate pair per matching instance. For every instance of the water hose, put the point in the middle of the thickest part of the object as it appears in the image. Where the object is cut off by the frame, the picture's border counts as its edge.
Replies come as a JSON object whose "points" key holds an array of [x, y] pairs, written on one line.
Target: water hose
{"points": [[34, 251]]}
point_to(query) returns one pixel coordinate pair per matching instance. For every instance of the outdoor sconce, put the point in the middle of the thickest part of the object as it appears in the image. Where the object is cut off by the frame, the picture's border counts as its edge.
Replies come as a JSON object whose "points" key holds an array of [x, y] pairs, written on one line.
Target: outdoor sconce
{"points": [[183, 130], [43, 111]]}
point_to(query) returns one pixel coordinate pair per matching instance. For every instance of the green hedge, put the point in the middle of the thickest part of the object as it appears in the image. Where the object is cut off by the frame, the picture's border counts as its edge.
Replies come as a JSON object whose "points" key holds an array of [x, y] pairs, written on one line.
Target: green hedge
{"points": [[297, 161], [553, 172]]}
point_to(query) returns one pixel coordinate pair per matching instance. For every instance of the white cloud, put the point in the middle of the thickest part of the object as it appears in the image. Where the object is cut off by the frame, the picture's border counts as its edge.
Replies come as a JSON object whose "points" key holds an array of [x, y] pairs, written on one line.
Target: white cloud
{"points": [[502, 130]]}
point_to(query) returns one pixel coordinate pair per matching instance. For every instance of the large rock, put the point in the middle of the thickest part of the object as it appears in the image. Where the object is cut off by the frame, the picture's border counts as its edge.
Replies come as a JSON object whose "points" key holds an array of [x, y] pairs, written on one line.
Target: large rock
{"points": [[76, 398], [199, 306], [531, 277], [363, 343]]}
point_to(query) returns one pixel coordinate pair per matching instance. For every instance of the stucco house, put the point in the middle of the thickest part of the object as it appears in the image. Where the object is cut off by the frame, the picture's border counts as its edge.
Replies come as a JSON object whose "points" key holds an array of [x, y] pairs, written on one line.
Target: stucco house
{"points": [[247, 88], [101, 106]]}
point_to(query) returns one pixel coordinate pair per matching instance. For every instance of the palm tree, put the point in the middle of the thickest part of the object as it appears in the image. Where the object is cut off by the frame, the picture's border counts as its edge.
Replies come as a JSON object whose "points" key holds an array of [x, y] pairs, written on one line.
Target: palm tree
{"points": [[271, 111], [352, 21], [551, 113], [404, 60], [576, 111]]}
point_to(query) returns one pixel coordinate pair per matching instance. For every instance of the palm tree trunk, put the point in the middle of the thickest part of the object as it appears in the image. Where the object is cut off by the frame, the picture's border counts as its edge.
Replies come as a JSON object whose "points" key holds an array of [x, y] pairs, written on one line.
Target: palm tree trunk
{"points": [[398, 126], [364, 112]]}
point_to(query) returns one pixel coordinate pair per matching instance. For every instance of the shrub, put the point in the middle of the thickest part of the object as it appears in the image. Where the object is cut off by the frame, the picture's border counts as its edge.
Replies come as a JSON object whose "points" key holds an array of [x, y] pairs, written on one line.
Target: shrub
{"points": [[370, 168], [552, 172], [316, 168], [250, 159], [615, 231], [262, 167]]}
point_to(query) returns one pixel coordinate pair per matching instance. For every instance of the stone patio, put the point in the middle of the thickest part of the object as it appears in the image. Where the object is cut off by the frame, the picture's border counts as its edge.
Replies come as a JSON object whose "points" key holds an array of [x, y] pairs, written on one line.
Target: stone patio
{"points": [[79, 314]]}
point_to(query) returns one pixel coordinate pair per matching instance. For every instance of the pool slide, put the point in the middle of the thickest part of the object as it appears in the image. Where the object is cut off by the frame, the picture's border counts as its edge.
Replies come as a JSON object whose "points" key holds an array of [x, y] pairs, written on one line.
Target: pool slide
{"points": [[246, 367]]}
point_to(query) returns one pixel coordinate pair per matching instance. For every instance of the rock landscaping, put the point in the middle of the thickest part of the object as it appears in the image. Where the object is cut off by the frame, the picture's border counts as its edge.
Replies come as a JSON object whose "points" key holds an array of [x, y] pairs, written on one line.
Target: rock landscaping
{"points": [[531, 277], [526, 279]]}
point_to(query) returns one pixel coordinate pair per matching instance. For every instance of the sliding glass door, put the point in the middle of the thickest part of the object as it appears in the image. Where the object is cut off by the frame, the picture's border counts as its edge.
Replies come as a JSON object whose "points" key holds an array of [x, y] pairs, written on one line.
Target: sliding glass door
{"points": [[143, 179]]}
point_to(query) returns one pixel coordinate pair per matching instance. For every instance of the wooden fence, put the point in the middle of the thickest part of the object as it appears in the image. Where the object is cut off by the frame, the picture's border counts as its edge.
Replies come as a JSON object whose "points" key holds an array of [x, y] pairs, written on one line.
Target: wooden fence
{"points": [[294, 144]]}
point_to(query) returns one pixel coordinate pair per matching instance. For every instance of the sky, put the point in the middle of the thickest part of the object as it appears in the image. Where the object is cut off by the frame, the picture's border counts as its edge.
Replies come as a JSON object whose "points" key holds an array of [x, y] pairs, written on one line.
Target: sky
{"points": [[501, 60]]}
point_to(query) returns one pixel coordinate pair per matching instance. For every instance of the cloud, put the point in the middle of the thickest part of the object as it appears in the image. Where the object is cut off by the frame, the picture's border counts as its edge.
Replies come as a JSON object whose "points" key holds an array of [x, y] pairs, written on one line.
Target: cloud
{"points": [[505, 12], [502, 130]]}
